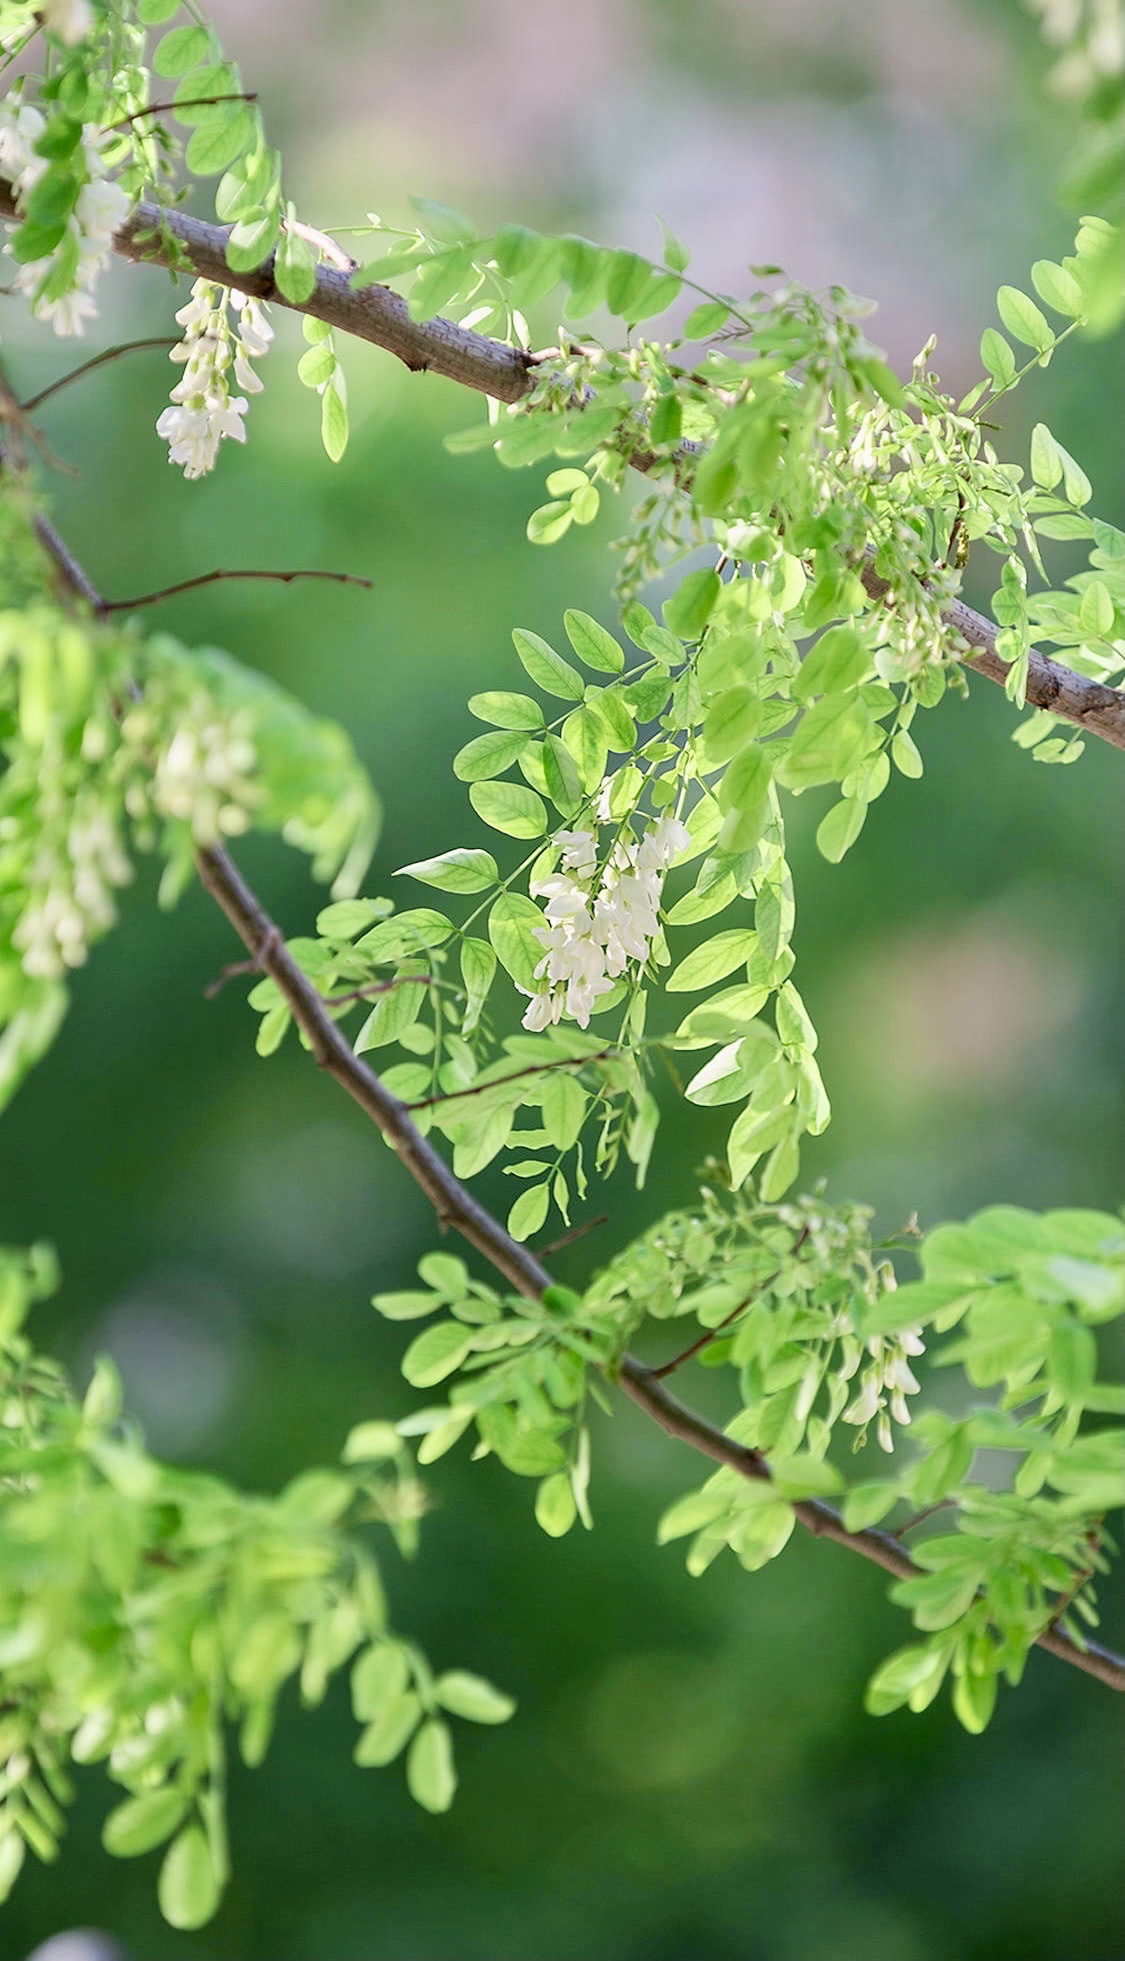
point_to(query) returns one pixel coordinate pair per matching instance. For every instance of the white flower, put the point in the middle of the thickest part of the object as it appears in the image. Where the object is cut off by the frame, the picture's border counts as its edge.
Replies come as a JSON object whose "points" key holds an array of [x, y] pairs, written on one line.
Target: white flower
{"points": [[71, 20], [99, 211], [21, 126], [579, 853], [886, 1382], [204, 411], [593, 931]]}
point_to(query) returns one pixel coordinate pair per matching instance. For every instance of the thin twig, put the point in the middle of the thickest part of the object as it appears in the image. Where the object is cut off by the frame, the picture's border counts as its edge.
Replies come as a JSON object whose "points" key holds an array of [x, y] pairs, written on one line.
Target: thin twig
{"points": [[497, 1082], [96, 361], [378, 987], [709, 1334], [173, 108], [210, 579], [568, 1238]]}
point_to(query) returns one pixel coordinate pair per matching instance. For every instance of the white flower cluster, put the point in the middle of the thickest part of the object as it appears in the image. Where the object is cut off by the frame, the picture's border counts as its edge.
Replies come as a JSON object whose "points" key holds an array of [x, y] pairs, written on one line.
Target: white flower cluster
{"points": [[71, 20], [203, 774], [71, 888], [597, 923], [203, 408], [886, 1381], [100, 210]]}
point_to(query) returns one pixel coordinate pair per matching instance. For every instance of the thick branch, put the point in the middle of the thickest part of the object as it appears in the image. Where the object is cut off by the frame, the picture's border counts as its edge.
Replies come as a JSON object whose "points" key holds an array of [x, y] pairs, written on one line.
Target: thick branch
{"points": [[376, 314], [1073, 697]]}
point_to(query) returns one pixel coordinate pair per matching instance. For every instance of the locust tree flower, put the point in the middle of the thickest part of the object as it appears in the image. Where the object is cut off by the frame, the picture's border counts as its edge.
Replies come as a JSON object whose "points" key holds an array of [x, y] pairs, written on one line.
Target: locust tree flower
{"points": [[71, 20], [60, 287], [596, 924], [204, 409], [886, 1382]]}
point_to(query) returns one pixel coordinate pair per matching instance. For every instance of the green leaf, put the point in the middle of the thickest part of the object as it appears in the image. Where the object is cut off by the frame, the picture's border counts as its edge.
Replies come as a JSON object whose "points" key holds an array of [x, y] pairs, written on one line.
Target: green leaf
{"points": [[746, 784], [1058, 288], [839, 660], [294, 268], [380, 1677], [547, 669], [181, 49], [472, 1698], [997, 358], [510, 808], [512, 924], [529, 1211], [506, 711], [478, 965], [442, 222], [151, 13], [218, 141], [1095, 612], [142, 1822], [370, 1443], [412, 932], [188, 1887], [828, 744], [459, 870], [905, 754], [901, 1676], [316, 366], [334, 418], [866, 1504], [489, 755], [436, 1353], [592, 643], [550, 522], [974, 1699], [711, 962], [555, 1509], [733, 718], [708, 319], [584, 739], [393, 1013], [839, 829], [389, 1732], [1046, 462], [346, 918], [666, 421], [1023, 319], [430, 1775], [564, 786], [687, 612]]}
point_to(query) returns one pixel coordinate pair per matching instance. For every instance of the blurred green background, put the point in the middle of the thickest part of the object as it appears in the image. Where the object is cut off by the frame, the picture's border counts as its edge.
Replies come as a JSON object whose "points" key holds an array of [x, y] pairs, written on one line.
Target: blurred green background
{"points": [[690, 1776]]}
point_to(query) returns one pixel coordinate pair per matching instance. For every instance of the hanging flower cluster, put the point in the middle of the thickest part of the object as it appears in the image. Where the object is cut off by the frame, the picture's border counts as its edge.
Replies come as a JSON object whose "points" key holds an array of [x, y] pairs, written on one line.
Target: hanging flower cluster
{"points": [[886, 1381], [60, 288], [78, 861], [71, 20], [204, 410], [597, 921]]}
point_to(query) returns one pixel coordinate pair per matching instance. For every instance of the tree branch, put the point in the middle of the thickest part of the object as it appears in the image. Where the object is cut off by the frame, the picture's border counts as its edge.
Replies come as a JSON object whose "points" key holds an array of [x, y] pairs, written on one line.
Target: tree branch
{"points": [[157, 236], [211, 578], [456, 1207], [87, 367]]}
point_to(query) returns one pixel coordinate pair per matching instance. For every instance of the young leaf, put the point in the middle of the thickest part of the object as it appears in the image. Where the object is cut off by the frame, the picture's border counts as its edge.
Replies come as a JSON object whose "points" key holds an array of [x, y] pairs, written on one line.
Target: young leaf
{"points": [[188, 1888], [430, 1775], [472, 1698]]}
